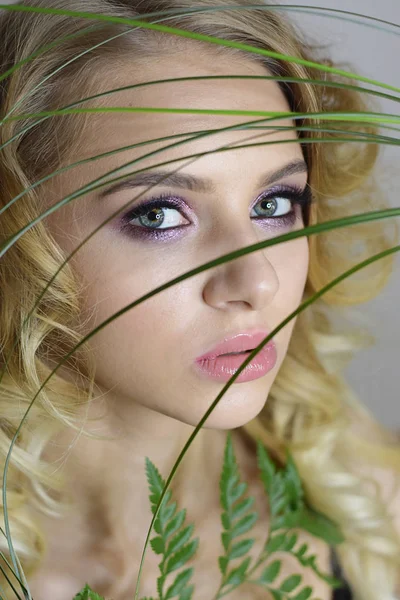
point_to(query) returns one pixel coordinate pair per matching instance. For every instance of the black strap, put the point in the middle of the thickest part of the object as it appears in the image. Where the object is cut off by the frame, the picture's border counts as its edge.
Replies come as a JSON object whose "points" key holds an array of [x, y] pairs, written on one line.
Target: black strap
{"points": [[344, 592]]}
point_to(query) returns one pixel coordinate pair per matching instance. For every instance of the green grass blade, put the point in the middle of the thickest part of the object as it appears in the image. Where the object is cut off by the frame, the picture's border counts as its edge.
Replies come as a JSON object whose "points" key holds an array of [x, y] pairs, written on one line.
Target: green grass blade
{"points": [[44, 49], [282, 78], [10, 567], [63, 66], [359, 117], [201, 37], [10, 583], [332, 13]]}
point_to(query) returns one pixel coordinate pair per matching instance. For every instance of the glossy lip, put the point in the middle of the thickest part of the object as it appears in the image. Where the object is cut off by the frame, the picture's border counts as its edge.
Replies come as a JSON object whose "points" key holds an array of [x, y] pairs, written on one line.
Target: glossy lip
{"points": [[246, 340]]}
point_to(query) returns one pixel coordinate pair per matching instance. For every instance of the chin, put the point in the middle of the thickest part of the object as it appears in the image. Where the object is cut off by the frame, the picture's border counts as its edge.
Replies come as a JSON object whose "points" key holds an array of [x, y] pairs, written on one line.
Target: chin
{"points": [[231, 414]]}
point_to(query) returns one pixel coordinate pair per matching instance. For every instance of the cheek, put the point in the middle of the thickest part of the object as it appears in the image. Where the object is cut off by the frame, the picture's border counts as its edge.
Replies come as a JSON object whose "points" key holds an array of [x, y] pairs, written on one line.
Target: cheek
{"points": [[143, 330], [291, 267], [302, 262], [297, 273], [291, 262]]}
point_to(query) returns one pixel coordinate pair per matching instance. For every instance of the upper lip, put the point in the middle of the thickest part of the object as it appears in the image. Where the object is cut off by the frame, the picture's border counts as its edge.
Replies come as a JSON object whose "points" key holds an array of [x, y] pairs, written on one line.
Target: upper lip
{"points": [[239, 342]]}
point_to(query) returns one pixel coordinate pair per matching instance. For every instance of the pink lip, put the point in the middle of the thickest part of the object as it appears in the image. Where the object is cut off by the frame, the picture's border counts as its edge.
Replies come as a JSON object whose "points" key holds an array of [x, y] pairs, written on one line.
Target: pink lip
{"points": [[217, 366]]}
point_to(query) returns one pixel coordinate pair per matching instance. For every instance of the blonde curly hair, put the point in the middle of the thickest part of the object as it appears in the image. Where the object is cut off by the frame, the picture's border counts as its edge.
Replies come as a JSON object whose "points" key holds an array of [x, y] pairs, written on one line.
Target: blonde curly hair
{"points": [[310, 410]]}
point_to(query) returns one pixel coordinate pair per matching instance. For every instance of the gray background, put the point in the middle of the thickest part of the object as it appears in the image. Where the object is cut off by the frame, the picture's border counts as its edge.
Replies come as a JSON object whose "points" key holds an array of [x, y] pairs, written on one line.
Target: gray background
{"points": [[375, 372]]}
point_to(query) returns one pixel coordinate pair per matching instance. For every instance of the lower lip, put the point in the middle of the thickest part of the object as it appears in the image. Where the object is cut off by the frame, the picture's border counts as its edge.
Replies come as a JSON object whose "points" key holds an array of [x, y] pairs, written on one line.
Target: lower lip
{"points": [[222, 368]]}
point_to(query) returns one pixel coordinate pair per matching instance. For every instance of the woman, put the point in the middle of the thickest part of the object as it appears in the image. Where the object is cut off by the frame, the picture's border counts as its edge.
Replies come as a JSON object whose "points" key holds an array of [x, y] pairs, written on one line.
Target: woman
{"points": [[140, 385]]}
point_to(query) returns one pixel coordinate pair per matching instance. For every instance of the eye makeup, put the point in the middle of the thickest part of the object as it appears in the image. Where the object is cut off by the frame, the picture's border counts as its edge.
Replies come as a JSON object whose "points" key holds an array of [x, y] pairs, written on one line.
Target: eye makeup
{"points": [[270, 202]]}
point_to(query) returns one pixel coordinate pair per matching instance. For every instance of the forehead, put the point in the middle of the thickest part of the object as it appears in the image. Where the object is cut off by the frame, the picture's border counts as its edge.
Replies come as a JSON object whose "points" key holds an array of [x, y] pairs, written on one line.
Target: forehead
{"points": [[261, 95], [114, 130]]}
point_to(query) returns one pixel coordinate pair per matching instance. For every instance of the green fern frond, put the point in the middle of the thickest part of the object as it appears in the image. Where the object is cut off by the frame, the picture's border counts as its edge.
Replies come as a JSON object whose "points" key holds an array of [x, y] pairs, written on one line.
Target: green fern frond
{"points": [[310, 561], [172, 542], [236, 519], [87, 594], [320, 526]]}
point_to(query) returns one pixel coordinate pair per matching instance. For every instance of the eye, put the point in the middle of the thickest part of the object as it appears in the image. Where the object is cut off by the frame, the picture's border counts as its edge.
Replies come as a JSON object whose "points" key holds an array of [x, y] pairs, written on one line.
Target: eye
{"points": [[156, 214], [273, 207]]}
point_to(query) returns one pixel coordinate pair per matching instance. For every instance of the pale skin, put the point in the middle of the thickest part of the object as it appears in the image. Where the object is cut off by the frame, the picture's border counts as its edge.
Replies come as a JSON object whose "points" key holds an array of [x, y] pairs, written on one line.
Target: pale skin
{"points": [[152, 398]]}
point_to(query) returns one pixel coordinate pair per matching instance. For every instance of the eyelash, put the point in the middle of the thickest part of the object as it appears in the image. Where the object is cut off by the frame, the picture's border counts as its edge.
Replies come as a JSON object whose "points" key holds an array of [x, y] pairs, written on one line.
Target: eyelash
{"points": [[295, 194]]}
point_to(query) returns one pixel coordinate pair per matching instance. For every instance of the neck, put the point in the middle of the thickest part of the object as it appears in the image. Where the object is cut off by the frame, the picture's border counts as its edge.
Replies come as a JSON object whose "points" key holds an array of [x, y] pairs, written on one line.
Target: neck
{"points": [[106, 479]]}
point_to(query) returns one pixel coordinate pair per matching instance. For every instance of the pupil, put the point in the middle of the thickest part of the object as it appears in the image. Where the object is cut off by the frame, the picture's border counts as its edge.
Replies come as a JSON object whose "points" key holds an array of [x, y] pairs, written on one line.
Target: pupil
{"points": [[156, 216], [268, 205], [153, 217]]}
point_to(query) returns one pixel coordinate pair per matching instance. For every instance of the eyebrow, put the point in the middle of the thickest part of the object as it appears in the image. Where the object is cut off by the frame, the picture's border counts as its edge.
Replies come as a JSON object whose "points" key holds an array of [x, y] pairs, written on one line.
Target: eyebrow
{"points": [[195, 183]]}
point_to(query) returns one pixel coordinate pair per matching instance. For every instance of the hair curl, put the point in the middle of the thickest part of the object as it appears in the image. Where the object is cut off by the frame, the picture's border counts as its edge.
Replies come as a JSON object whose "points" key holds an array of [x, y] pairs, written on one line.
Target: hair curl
{"points": [[310, 409]]}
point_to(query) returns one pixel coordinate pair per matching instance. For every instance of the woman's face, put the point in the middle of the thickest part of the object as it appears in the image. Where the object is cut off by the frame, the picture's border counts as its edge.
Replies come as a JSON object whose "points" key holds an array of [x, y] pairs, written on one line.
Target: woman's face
{"points": [[147, 356]]}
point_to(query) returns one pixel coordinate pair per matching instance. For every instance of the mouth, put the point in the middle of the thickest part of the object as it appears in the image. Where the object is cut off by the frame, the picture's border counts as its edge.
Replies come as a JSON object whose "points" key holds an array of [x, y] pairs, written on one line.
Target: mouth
{"points": [[236, 345], [217, 366]]}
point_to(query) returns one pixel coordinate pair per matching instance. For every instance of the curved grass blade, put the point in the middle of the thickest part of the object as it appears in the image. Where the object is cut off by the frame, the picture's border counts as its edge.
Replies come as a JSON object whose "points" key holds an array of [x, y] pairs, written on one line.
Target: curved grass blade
{"points": [[201, 37], [44, 49], [334, 13], [282, 78], [10, 583], [372, 138], [18, 573], [202, 9], [329, 12], [24, 584], [63, 66], [11, 569], [359, 117]]}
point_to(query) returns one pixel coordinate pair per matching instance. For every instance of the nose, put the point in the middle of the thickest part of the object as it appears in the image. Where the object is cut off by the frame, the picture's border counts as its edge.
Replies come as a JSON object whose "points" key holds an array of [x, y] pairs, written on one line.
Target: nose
{"points": [[249, 282]]}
